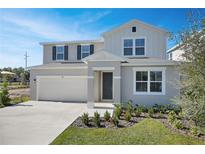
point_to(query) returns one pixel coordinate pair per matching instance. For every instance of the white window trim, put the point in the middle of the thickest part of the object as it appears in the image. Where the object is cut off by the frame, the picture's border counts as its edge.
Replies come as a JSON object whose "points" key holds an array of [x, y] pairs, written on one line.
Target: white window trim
{"points": [[57, 53], [134, 47], [149, 69], [82, 50]]}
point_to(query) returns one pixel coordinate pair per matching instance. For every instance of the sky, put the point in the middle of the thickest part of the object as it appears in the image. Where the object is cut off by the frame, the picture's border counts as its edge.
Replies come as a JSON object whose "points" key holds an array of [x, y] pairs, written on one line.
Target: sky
{"points": [[21, 30]]}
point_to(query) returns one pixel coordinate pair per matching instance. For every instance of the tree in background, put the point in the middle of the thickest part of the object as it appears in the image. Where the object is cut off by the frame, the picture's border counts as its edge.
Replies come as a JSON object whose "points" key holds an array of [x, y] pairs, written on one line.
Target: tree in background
{"points": [[20, 73], [192, 71]]}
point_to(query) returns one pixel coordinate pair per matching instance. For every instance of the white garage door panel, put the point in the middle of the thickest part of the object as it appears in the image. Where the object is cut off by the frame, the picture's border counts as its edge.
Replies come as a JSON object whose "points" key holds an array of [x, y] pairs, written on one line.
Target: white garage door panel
{"points": [[62, 89]]}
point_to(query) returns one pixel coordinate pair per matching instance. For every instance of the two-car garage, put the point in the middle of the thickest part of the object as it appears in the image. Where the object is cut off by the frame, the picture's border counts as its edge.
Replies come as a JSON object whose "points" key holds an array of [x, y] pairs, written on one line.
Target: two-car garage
{"points": [[61, 88]]}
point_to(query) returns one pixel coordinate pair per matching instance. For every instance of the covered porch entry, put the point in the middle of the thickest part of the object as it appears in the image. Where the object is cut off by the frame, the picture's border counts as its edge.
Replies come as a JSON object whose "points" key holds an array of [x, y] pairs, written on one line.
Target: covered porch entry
{"points": [[104, 74], [103, 86]]}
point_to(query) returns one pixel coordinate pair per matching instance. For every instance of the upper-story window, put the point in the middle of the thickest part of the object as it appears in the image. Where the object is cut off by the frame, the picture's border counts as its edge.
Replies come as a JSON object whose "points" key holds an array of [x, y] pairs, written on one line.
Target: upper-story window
{"points": [[85, 51], [134, 47], [139, 46], [133, 29], [128, 47], [59, 52]]}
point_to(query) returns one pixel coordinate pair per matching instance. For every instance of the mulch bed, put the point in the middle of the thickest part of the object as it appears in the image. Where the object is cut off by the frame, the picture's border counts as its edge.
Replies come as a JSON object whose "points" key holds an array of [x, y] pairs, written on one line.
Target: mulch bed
{"points": [[184, 131], [123, 124]]}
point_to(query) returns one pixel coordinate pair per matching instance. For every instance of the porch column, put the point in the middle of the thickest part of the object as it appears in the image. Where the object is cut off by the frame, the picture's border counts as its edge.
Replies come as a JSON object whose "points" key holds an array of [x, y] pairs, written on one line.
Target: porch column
{"points": [[117, 83], [90, 88]]}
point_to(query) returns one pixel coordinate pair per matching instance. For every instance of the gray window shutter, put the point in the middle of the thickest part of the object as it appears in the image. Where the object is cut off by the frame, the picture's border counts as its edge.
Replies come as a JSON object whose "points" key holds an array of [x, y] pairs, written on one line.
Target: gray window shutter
{"points": [[91, 49], [65, 52], [54, 53], [78, 52]]}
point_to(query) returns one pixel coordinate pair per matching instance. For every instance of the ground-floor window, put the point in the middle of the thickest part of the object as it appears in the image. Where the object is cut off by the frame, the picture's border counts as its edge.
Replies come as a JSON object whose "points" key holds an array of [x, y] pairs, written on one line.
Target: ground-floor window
{"points": [[149, 80]]}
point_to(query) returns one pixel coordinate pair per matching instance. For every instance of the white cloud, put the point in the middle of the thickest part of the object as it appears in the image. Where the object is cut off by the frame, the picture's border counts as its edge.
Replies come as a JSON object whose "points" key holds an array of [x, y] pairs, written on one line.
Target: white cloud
{"points": [[20, 33], [98, 16], [39, 27], [50, 29]]}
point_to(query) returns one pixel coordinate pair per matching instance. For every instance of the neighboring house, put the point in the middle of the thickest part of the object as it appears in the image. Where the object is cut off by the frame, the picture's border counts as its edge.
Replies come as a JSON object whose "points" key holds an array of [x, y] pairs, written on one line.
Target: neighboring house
{"points": [[175, 53], [128, 63]]}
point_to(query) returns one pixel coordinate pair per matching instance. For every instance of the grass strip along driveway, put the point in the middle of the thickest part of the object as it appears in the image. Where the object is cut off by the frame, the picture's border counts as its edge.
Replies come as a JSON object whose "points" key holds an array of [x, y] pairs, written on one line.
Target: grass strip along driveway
{"points": [[148, 131]]}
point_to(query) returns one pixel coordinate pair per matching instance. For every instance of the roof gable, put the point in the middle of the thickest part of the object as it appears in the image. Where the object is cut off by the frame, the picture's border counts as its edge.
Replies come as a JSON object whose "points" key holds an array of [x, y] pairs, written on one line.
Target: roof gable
{"points": [[103, 56], [136, 22]]}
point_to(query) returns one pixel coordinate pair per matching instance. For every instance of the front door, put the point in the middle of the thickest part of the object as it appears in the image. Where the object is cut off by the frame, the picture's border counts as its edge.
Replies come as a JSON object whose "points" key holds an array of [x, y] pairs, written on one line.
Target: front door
{"points": [[107, 86]]}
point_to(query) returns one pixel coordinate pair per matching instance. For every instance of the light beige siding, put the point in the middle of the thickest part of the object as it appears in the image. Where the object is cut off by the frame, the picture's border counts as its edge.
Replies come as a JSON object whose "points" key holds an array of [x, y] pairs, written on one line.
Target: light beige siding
{"points": [[155, 41], [171, 87], [72, 52]]}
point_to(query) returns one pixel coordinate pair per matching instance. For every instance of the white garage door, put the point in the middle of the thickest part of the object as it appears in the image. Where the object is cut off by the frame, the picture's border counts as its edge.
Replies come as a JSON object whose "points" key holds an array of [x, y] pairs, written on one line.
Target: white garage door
{"points": [[68, 88]]}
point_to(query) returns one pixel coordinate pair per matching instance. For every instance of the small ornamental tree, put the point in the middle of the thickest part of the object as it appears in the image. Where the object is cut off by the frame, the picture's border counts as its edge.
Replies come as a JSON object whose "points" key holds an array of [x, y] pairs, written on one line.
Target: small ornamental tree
{"points": [[192, 71]]}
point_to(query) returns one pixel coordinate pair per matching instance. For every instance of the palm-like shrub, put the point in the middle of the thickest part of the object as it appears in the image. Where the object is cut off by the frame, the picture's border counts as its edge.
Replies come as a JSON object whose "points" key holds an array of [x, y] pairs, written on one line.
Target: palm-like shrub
{"points": [[130, 107], [143, 108], [138, 112], [118, 111], [128, 115], [85, 118], [96, 119], [178, 124], [172, 116], [160, 114], [107, 116], [116, 121], [151, 112], [194, 131]]}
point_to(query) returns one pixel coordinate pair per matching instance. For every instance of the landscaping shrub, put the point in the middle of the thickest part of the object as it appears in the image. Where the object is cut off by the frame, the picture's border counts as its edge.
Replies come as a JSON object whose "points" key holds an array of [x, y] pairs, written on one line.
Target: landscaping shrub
{"points": [[171, 116], [85, 118], [156, 108], [160, 115], [118, 105], [107, 115], [118, 111], [178, 124], [143, 108], [162, 109], [151, 112], [194, 131], [128, 115], [177, 109], [17, 100], [180, 115], [130, 107], [116, 121], [96, 119], [138, 112], [25, 98]]}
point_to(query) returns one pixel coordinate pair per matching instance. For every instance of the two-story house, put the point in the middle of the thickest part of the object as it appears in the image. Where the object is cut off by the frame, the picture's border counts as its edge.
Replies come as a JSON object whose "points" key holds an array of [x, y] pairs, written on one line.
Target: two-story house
{"points": [[175, 53], [128, 63]]}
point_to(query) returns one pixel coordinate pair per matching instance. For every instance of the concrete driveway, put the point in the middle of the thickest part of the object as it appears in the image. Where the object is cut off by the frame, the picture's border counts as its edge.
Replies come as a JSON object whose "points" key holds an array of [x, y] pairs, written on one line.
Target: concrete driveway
{"points": [[37, 122]]}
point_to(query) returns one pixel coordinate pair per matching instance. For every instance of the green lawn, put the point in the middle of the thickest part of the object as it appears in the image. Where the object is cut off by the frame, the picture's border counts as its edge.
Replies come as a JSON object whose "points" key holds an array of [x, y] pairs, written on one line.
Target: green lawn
{"points": [[148, 131]]}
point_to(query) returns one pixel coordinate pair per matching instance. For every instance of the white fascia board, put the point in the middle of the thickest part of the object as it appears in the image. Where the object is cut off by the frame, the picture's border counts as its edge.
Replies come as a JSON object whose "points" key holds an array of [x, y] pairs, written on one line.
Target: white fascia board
{"points": [[62, 76], [103, 68], [149, 64], [77, 67], [72, 42]]}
